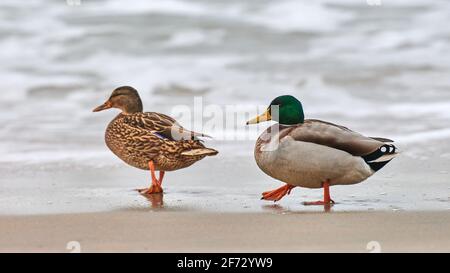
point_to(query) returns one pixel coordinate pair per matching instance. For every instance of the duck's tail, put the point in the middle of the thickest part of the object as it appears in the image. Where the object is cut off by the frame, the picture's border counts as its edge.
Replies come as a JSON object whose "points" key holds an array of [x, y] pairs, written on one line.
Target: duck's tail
{"points": [[382, 156], [200, 151]]}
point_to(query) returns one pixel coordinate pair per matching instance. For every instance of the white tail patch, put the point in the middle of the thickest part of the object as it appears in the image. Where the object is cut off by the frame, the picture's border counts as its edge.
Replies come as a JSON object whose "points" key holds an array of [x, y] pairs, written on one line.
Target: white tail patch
{"points": [[197, 152], [384, 158]]}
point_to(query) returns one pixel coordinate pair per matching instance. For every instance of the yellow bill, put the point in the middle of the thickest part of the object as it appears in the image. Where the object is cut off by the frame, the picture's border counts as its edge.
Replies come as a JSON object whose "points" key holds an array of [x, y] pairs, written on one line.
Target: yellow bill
{"points": [[263, 117]]}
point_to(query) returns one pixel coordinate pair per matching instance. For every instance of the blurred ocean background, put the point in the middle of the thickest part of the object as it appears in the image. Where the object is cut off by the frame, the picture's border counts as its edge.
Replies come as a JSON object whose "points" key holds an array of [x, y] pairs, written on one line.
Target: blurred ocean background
{"points": [[380, 70]]}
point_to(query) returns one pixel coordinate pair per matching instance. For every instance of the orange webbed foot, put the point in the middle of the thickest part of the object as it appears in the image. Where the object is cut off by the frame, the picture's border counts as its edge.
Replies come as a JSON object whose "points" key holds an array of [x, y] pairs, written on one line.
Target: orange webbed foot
{"points": [[277, 194], [152, 190], [319, 203], [156, 184], [327, 201]]}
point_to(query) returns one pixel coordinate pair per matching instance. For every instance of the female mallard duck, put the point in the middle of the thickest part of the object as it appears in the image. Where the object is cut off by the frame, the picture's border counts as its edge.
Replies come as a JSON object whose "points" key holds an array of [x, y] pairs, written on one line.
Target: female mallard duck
{"points": [[150, 141], [314, 154]]}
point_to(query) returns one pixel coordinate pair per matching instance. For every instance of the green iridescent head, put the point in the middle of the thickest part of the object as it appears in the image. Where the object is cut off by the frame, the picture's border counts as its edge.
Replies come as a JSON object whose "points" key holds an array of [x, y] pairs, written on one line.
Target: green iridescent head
{"points": [[285, 109]]}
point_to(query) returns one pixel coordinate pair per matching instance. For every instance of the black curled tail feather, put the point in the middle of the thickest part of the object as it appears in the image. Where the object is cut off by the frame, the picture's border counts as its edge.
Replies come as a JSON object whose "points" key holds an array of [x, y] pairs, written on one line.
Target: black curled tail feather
{"points": [[380, 157], [386, 149]]}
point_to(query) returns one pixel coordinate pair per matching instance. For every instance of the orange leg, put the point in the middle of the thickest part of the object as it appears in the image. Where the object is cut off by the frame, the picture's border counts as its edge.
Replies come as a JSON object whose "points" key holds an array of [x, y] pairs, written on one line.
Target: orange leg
{"points": [[155, 187], [161, 177], [326, 196], [277, 194]]}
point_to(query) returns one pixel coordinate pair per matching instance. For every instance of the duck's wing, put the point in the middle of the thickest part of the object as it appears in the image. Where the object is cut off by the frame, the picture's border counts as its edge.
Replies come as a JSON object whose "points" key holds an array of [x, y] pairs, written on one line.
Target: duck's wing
{"points": [[162, 125], [382, 139], [335, 136]]}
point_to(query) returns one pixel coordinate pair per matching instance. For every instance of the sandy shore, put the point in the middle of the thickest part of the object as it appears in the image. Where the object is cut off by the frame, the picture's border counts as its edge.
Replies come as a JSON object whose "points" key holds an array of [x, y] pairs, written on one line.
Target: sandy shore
{"points": [[212, 232]]}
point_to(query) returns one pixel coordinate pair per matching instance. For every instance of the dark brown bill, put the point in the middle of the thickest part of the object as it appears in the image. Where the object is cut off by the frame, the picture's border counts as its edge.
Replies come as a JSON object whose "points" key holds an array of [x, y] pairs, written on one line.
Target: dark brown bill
{"points": [[102, 107]]}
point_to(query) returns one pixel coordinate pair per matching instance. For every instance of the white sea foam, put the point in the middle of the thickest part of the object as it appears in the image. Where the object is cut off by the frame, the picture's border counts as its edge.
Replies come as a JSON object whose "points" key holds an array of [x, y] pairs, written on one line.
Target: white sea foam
{"points": [[424, 137], [195, 37], [154, 6], [346, 61], [300, 16]]}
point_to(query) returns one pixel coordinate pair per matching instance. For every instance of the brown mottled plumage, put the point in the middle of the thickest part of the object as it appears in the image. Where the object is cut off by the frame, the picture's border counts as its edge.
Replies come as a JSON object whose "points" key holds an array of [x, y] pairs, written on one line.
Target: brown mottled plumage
{"points": [[150, 140], [143, 137]]}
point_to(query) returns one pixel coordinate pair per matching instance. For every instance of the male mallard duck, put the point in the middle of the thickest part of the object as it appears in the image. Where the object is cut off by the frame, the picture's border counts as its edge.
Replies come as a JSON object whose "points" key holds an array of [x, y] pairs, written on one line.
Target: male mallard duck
{"points": [[313, 153], [150, 141]]}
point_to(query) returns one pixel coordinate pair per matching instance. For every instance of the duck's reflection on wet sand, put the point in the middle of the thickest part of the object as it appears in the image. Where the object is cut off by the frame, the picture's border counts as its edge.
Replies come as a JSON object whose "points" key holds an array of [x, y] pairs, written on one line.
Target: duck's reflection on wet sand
{"points": [[156, 200], [277, 208]]}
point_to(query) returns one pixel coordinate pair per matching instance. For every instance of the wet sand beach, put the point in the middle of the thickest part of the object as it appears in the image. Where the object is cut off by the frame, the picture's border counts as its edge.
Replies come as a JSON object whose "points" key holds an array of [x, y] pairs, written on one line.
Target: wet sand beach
{"points": [[99, 208], [229, 232], [230, 182]]}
